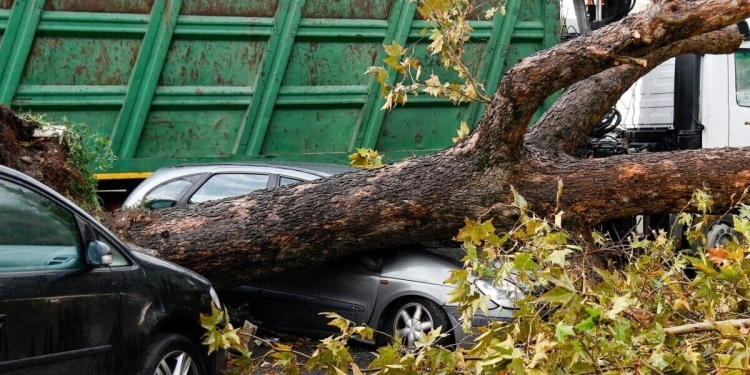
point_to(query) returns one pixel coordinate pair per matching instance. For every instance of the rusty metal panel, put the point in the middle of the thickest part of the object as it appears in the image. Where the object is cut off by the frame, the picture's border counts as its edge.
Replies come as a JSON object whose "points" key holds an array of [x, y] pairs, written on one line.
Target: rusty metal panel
{"points": [[101, 6], [187, 133], [244, 79], [212, 63], [359, 9], [80, 61], [236, 8], [327, 63]]}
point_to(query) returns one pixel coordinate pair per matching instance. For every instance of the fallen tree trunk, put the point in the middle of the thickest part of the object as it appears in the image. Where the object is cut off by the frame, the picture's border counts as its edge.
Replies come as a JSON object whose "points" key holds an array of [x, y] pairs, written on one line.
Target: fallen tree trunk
{"points": [[234, 240]]}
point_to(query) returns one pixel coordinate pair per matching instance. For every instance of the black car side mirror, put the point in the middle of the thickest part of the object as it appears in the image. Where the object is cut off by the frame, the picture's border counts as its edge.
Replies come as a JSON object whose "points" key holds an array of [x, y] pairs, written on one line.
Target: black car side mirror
{"points": [[98, 254]]}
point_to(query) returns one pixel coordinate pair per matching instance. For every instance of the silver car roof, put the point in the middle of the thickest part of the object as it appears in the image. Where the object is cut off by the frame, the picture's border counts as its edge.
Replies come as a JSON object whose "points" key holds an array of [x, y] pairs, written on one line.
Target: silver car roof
{"points": [[302, 171]]}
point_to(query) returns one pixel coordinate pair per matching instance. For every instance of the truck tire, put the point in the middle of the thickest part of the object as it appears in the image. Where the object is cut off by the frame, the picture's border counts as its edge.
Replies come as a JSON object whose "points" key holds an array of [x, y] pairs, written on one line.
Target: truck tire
{"points": [[719, 234]]}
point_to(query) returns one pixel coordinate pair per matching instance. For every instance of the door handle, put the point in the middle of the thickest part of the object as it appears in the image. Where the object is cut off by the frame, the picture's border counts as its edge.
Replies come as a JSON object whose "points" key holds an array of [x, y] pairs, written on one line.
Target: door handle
{"points": [[2, 320]]}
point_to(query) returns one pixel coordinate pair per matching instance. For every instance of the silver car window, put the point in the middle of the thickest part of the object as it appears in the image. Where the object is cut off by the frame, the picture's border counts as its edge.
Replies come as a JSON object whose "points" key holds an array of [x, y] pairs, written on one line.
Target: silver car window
{"points": [[227, 185], [283, 180], [167, 194]]}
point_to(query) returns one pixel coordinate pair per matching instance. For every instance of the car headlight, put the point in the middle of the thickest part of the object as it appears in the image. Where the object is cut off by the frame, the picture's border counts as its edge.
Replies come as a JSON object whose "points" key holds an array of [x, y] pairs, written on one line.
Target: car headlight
{"points": [[214, 298], [503, 295]]}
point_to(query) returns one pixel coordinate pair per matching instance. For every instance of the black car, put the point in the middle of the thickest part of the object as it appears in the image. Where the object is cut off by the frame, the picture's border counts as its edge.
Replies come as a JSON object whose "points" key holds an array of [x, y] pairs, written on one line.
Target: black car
{"points": [[76, 300]]}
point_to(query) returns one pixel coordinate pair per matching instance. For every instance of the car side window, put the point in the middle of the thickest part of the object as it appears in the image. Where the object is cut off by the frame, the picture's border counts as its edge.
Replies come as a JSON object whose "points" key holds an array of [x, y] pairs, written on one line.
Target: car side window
{"points": [[742, 77], [288, 181], [167, 194], [227, 185], [36, 233]]}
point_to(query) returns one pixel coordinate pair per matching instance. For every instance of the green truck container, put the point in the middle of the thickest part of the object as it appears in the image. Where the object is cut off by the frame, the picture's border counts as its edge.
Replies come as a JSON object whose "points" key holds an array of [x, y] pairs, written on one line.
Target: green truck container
{"points": [[182, 81]]}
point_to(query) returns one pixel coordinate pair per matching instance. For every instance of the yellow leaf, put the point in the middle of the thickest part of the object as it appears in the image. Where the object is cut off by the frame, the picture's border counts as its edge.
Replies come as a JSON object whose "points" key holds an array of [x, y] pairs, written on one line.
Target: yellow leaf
{"points": [[439, 6], [210, 321], [434, 88], [462, 131], [437, 45], [541, 348], [378, 72], [619, 304], [558, 257], [394, 49], [393, 62], [490, 12], [388, 101]]}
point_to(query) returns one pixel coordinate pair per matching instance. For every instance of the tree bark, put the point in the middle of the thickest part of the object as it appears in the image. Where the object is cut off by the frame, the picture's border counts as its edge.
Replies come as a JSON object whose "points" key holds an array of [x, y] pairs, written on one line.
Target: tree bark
{"points": [[565, 126], [234, 240]]}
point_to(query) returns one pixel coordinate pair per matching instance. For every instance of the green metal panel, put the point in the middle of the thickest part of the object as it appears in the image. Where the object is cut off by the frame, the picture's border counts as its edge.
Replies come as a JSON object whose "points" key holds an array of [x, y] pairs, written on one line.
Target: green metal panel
{"points": [[267, 84], [16, 44], [174, 81], [126, 132]]}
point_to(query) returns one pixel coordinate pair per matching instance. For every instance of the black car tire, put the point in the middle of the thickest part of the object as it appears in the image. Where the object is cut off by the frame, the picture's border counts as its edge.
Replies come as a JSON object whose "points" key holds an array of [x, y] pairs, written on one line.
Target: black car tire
{"points": [[406, 315], [163, 352]]}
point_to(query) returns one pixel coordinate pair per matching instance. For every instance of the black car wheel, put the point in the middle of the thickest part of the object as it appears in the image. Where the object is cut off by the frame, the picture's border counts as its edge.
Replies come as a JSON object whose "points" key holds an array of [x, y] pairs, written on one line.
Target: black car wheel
{"points": [[412, 319], [171, 354]]}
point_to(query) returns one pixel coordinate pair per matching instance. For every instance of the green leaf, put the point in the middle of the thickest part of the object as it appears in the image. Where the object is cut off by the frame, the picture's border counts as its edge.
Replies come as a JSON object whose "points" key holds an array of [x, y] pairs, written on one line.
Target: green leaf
{"points": [[741, 226], [586, 325], [475, 232], [562, 281], [562, 330], [518, 200], [744, 211], [558, 257], [590, 322], [523, 262], [557, 295]]}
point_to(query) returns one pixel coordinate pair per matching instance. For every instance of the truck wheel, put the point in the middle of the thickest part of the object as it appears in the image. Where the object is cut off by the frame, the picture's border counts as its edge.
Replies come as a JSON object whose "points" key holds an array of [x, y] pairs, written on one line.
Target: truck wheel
{"points": [[170, 353], [719, 234]]}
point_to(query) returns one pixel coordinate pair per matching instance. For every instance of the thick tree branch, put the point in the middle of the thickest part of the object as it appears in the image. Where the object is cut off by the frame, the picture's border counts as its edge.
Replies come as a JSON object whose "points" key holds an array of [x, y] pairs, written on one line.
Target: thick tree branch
{"points": [[503, 127], [297, 226], [428, 197], [596, 190], [574, 116]]}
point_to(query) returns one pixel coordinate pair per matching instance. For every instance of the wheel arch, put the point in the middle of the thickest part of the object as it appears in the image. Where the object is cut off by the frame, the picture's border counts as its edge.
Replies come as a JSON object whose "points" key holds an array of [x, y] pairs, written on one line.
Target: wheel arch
{"points": [[181, 324]]}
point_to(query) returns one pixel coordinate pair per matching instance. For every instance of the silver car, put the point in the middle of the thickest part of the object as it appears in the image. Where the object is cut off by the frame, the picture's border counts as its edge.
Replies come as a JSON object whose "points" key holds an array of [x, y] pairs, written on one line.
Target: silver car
{"points": [[400, 292], [187, 184]]}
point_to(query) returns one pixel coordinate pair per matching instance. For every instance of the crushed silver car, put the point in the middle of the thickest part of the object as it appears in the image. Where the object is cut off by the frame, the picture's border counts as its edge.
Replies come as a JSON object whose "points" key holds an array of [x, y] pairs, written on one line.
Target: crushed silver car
{"points": [[400, 291]]}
